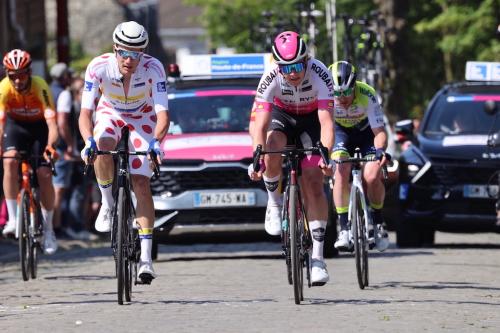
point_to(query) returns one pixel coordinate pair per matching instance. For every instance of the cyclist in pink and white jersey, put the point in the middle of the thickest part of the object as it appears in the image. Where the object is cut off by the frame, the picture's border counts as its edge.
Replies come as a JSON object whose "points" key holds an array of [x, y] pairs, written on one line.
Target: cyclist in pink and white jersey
{"points": [[130, 89], [294, 104]]}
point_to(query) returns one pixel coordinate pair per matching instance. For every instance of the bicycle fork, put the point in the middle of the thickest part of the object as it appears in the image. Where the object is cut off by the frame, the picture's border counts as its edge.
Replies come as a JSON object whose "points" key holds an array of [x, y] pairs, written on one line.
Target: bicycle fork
{"points": [[358, 185]]}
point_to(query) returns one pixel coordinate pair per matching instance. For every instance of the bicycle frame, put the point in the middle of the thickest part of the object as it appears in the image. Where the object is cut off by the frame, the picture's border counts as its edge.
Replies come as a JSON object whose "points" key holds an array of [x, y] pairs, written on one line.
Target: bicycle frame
{"points": [[357, 184], [124, 238], [29, 226], [295, 234]]}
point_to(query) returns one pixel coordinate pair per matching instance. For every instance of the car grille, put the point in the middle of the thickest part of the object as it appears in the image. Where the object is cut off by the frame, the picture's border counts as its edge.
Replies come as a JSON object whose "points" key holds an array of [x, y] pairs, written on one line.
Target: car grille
{"points": [[453, 174], [177, 182]]}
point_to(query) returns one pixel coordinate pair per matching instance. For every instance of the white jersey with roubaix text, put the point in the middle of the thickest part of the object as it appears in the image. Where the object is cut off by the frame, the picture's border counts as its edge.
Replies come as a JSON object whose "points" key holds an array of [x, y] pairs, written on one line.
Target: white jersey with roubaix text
{"points": [[313, 93]]}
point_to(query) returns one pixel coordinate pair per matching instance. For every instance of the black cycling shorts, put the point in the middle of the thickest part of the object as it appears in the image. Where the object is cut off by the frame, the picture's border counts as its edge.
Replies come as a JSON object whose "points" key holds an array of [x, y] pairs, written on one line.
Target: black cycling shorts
{"points": [[25, 136], [347, 139], [301, 130]]}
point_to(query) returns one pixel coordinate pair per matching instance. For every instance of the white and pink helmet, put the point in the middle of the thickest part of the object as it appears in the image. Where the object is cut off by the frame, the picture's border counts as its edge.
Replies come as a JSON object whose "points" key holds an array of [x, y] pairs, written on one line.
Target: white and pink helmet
{"points": [[289, 48]]}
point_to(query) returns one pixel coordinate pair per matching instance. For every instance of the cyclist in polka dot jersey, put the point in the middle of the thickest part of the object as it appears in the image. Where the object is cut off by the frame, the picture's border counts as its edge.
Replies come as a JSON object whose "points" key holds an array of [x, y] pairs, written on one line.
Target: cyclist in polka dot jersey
{"points": [[128, 88]]}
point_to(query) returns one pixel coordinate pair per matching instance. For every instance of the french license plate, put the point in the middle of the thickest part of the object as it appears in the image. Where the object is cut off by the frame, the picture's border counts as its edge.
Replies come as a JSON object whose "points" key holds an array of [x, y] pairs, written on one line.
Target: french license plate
{"points": [[224, 199], [480, 191]]}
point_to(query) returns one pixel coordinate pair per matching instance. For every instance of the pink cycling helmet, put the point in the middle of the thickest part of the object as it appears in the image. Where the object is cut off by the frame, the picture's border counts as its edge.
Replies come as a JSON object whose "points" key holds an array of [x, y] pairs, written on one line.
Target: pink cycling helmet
{"points": [[289, 48]]}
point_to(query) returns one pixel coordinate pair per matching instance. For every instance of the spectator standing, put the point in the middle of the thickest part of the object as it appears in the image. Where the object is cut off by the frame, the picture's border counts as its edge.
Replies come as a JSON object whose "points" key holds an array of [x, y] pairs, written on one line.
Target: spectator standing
{"points": [[61, 79], [78, 196]]}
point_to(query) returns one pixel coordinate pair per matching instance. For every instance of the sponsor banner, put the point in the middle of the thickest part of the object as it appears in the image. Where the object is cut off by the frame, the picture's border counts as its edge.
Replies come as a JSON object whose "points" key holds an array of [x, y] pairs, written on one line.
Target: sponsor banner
{"points": [[236, 64]]}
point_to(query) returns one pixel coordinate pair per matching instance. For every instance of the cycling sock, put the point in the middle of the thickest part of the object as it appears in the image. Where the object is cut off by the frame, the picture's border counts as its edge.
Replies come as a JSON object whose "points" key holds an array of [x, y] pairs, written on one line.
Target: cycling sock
{"points": [[274, 194], [377, 212], [377, 216], [146, 237], [317, 228], [11, 208], [343, 219], [106, 191], [47, 218]]}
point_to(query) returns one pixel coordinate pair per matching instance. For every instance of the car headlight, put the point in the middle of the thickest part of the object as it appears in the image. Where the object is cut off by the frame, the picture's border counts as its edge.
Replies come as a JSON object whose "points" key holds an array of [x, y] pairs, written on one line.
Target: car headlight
{"points": [[412, 170]]}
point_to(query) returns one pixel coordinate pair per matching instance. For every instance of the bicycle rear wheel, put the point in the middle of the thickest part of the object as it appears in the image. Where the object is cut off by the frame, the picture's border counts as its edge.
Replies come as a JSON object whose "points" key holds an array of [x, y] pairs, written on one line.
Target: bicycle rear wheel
{"points": [[294, 244], [360, 242], [23, 224]]}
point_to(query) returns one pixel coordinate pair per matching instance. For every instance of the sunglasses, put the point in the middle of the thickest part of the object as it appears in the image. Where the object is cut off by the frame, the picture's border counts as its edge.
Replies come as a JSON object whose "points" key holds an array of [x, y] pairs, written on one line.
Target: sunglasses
{"points": [[134, 55], [297, 68], [18, 76], [345, 93]]}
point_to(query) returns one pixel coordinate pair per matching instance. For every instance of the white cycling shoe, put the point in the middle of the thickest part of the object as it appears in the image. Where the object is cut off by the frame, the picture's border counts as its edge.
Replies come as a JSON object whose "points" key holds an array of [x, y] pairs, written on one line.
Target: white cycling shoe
{"points": [[49, 242], [103, 220], [319, 274], [10, 228], [273, 220], [382, 240], [343, 242], [146, 272]]}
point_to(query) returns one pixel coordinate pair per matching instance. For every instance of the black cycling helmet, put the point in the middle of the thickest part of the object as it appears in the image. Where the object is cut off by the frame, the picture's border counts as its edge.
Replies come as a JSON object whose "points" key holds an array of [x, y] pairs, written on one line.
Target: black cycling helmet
{"points": [[343, 74]]}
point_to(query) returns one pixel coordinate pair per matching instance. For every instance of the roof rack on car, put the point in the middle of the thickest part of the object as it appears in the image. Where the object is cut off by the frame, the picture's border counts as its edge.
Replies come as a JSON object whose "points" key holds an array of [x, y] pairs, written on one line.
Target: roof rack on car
{"points": [[482, 71]]}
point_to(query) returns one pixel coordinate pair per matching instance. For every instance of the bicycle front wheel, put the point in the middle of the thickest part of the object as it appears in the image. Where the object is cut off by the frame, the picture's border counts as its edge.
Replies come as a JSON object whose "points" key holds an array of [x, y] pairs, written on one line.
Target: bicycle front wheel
{"points": [[285, 238], [23, 224], [122, 272], [294, 244], [360, 242], [36, 232]]}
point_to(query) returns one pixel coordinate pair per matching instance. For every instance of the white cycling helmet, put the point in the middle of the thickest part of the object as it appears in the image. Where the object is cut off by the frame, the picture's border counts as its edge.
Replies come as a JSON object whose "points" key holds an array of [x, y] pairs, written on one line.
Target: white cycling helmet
{"points": [[130, 34]]}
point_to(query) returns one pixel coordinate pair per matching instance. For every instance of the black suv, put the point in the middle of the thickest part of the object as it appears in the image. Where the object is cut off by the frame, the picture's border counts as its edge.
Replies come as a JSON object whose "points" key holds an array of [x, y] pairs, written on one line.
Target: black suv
{"points": [[447, 175]]}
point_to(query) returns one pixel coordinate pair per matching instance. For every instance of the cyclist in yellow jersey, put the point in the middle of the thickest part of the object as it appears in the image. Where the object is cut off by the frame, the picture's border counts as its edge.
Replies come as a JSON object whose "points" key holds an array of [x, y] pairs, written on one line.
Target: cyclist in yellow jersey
{"points": [[359, 122], [27, 116]]}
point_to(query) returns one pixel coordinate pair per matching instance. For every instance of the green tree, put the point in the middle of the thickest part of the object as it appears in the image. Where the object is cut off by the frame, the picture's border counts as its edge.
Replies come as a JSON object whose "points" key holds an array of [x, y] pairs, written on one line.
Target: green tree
{"points": [[427, 42], [465, 30]]}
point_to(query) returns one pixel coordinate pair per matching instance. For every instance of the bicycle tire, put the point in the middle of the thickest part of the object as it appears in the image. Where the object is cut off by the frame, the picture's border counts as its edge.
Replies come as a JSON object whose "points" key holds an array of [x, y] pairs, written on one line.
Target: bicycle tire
{"points": [[285, 238], [129, 260], [120, 243], [23, 224], [305, 243], [35, 233], [359, 239], [294, 243]]}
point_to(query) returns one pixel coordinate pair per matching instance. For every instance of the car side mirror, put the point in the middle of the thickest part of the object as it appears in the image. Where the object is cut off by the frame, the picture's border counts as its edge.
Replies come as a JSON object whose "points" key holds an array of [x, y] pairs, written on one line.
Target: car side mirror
{"points": [[490, 107], [404, 130]]}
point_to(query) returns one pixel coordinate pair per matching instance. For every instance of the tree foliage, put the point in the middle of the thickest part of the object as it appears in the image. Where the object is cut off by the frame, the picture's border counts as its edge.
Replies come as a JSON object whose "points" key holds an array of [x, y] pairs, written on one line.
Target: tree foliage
{"points": [[429, 43]]}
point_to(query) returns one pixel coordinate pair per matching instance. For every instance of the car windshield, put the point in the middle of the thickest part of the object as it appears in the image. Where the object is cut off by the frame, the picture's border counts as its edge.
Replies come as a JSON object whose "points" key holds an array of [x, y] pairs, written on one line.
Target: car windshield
{"points": [[210, 111], [461, 115]]}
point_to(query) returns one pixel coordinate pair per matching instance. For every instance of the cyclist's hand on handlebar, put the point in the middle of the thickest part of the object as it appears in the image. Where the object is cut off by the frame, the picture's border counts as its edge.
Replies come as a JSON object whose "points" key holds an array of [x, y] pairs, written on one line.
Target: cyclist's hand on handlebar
{"points": [[382, 156], [155, 150], [256, 175], [327, 169], [50, 153], [88, 152]]}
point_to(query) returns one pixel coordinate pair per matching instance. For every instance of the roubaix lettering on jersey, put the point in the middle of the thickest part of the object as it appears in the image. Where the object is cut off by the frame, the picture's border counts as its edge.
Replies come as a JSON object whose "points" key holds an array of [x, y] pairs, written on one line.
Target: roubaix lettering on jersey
{"points": [[316, 89], [264, 84], [323, 74]]}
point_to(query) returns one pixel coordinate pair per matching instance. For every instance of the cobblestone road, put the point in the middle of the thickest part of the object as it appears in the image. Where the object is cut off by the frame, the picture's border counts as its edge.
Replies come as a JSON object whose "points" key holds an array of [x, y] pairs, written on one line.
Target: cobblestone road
{"points": [[452, 287]]}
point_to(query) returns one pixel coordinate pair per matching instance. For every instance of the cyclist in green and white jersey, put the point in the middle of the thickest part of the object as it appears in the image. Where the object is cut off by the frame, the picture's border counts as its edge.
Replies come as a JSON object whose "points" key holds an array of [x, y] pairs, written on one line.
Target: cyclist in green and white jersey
{"points": [[359, 122]]}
